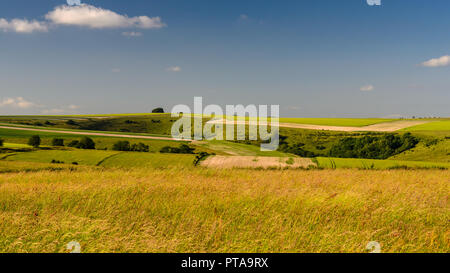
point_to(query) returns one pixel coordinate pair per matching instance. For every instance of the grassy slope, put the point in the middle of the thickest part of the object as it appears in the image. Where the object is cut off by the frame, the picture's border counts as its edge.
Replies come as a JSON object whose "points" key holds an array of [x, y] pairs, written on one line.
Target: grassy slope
{"points": [[231, 148], [21, 137], [439, 152], [105, 158], [148, 160], [83, 157], [225, 211], [329, 162]]}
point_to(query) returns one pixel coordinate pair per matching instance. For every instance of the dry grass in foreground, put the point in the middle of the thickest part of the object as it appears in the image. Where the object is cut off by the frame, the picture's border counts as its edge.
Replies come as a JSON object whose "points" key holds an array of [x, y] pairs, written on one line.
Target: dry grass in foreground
{"points": [[205, 210]]}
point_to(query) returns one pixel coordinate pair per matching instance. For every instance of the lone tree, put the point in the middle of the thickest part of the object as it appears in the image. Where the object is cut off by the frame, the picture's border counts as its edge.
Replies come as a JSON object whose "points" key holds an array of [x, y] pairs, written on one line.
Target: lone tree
{"points": [[158, 110], [34, 141]]}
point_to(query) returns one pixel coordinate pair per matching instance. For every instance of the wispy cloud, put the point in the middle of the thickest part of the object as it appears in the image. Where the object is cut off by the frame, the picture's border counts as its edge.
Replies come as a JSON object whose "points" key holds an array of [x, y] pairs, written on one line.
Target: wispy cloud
{"points": [[367, 88], [17, 102], [174, 69], [22, 26], [437, 62], [94, 17]]}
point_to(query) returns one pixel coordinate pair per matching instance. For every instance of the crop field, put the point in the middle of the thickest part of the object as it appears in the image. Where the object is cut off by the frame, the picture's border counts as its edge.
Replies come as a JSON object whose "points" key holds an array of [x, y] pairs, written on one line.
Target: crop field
{"points": [[205, 210], [442, 125]]}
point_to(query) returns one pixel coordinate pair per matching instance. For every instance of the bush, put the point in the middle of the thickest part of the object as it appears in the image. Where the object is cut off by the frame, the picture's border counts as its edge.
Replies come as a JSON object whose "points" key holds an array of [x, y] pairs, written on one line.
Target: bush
{"points": [[58, 142], [74, 144], [158, 110], [200, 157], [1, 142], [140, 147], [183, 149], [127, 147], [34, 141], [57, 162], [121, 146], [86, 143]]}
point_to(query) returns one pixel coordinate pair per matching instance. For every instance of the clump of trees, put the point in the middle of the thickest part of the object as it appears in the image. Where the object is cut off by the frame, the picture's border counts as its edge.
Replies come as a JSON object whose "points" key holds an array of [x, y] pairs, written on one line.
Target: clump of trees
{"points": [[127, 147], [34, 141], [183, 149], [296, 148], [58, 142], [158, 110], [85, 143], [379, 147]]}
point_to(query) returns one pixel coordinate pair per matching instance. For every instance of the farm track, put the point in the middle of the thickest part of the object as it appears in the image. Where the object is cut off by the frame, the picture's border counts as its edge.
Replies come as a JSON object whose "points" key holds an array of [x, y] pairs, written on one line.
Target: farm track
{"points": [[380, 127], [91, 134]]}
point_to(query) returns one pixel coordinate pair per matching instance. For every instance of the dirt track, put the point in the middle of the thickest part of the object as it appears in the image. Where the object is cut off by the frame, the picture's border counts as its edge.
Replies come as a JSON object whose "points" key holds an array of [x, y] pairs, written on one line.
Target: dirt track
{"points": [[89, 134], [380, 127], [229, 162]]}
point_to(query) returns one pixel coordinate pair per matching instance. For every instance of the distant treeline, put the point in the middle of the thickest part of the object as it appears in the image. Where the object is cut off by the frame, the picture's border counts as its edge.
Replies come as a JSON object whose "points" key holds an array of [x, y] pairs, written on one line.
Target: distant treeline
{"points": [[370, 147]]}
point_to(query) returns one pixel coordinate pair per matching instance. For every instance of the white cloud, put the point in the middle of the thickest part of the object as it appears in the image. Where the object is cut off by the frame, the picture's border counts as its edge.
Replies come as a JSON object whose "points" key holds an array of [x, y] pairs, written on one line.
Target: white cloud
{"points": [[367, 88], [174, 69], [18, 102], [93, 17], [132, 34], [22, 26], [442, 61]]}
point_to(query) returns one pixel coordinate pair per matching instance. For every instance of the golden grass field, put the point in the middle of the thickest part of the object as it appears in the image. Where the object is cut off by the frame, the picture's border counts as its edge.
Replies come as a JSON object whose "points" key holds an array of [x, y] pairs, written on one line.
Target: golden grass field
{"points": [[210, 210]]}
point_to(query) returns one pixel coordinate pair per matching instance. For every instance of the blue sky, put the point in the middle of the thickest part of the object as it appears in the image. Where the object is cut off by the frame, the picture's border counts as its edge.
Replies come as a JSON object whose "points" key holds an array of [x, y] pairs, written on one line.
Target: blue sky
{"points": [[315, 58]]}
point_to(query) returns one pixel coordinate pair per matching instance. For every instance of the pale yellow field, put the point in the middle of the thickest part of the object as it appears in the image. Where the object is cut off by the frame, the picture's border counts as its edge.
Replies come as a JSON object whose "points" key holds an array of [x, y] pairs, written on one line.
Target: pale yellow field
{"points": [[208, 210]]}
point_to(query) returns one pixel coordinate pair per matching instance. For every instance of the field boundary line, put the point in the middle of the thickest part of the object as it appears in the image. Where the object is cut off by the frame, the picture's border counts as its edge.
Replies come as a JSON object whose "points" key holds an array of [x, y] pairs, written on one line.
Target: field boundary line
{"points": [[106, 158]]}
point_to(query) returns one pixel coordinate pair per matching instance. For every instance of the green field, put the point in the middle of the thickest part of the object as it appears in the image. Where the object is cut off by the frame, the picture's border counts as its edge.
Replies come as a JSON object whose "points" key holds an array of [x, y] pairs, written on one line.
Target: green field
{"points": [[443, 125], [436, 152], [338, 163], [21, 137], [232, 148]]}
